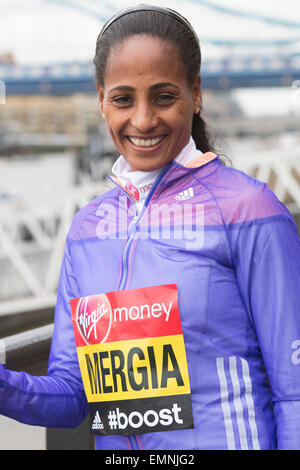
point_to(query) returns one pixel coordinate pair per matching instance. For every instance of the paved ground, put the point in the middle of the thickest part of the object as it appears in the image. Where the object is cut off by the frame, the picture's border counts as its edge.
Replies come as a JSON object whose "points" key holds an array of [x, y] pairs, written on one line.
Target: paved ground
{"points": [[17, 436]]}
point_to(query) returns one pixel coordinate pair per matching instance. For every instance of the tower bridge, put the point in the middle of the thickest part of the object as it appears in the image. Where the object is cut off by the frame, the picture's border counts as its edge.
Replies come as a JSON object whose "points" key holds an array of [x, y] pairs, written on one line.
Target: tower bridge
{"points": [[217, 74]]}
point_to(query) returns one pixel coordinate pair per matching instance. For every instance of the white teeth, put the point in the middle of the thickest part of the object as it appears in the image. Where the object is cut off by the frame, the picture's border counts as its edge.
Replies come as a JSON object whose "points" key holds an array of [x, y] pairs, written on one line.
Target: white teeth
{"points": [[145, 142]]}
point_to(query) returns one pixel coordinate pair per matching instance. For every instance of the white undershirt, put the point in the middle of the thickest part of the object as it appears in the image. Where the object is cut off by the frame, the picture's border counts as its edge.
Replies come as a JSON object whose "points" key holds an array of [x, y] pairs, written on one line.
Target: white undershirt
{"points": [[139, 183]]}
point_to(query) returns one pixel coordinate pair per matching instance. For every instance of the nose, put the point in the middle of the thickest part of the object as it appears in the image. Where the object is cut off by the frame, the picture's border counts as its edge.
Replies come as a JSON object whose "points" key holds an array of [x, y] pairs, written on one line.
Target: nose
{"points": [[144, 118]]}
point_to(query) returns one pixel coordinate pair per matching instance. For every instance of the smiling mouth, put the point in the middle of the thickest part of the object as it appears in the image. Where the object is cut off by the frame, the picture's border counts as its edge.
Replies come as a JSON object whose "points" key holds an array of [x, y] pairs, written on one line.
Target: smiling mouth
{"points": [[146, 142]]}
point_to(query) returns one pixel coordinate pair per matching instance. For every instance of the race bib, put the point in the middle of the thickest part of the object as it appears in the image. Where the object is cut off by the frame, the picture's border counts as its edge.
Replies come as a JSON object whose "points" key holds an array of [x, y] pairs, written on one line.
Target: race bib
{"points": [[132, 359]]}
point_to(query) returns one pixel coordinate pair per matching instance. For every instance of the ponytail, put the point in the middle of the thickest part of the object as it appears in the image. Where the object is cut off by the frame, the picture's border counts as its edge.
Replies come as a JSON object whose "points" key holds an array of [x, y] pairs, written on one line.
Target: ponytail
{"points": [[200, 135], [203, 139]]}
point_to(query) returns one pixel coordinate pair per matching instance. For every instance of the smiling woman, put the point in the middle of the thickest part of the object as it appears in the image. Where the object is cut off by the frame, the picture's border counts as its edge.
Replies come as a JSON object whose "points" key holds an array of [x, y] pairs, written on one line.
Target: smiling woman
{"points": [[147, 102], [179, 288], [161, 87]]}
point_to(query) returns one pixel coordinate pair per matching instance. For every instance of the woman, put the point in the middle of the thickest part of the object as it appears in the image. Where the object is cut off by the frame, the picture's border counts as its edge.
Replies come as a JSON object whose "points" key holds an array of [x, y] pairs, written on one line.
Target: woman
{"points": [[183, 279]]}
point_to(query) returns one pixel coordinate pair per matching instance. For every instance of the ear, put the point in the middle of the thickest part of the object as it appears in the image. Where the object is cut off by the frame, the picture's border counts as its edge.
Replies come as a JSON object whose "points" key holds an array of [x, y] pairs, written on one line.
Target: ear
{"points": [[197, 94], [101, 99]]}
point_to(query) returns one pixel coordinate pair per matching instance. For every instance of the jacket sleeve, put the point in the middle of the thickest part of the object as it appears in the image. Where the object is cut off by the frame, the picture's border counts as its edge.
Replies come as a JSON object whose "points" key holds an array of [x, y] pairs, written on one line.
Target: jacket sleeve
{"points": [[267, 258], [58, 399]]}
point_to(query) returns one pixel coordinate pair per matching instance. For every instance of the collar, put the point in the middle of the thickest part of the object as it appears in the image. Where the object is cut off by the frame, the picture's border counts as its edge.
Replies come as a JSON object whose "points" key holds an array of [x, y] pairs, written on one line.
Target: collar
{"points": [[122, 170], [138, 183]]}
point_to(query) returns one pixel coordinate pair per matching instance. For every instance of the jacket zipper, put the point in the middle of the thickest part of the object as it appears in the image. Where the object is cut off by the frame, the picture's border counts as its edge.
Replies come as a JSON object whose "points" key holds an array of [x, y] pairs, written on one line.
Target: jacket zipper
{"points": [[125, 256], [133, 228]]}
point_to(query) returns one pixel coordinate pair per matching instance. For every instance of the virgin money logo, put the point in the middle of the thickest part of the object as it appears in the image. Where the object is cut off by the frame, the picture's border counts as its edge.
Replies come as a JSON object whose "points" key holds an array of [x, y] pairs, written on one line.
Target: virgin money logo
{"points": [[133, 191], [94, 319]]}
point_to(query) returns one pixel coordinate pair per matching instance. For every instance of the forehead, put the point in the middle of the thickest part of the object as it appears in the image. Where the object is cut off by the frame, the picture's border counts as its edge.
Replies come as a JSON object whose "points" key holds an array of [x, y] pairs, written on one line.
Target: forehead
{"points": [[144, 58]]}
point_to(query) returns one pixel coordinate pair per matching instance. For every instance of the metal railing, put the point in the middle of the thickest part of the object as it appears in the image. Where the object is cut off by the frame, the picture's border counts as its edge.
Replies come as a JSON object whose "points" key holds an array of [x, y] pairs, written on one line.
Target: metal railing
{"points": [[18, 256], [280, 170], [24, 349], [29, 351]]}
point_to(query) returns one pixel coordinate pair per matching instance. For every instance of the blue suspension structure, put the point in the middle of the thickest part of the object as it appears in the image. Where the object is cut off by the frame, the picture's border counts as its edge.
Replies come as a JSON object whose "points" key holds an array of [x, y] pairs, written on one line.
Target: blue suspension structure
{"points": [[248, 14], [211, 5], [227, 71]]}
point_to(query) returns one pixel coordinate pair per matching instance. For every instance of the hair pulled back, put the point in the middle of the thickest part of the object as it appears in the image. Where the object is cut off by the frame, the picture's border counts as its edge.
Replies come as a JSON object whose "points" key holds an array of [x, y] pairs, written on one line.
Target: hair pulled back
{"points": [[167, 28]]}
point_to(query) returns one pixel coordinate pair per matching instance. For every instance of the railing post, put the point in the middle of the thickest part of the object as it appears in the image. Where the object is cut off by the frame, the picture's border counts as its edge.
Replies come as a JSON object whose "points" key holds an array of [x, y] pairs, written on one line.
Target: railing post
{"points": [[28, 348], [78, 438]]}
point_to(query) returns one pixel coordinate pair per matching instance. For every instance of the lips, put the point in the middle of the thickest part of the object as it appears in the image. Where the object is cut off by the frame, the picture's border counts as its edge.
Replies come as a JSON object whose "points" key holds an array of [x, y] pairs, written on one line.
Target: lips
{"points": [[148, 142]]}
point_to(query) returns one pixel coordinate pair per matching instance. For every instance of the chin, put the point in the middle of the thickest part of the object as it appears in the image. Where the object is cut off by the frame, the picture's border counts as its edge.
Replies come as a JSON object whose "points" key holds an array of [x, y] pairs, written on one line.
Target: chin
{"points": [[142, 166]]}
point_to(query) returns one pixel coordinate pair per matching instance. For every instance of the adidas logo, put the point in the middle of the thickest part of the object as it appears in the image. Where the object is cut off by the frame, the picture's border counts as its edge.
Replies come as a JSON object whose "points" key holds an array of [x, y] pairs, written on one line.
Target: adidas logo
{"points": [[97, 423], [185, 195]]}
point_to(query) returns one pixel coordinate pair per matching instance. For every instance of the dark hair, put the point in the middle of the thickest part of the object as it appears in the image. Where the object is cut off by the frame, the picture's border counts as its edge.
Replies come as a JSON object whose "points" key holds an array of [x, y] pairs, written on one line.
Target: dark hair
{"points": [[167, 28]]}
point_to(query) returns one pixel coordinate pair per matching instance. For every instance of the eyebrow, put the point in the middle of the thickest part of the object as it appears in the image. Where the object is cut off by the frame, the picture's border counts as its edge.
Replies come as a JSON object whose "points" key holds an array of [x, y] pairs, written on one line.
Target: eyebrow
{"points": [[153, 87]]}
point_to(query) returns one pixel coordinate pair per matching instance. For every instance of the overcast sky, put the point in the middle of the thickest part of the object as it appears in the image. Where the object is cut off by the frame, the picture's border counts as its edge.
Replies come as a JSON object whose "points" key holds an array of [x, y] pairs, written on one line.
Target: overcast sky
{"points": [[45, 31], [48, 31]]}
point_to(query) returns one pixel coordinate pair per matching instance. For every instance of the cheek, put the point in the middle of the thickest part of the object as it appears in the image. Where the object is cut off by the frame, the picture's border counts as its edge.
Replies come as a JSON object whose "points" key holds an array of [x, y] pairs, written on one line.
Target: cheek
{"points": [[182, 120], [183, 111], [114, 125]]}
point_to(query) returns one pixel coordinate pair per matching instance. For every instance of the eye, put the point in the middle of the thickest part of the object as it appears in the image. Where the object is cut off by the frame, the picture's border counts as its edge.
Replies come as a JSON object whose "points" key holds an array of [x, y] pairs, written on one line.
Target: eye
{"points": [[123, 100], [165, 99]]}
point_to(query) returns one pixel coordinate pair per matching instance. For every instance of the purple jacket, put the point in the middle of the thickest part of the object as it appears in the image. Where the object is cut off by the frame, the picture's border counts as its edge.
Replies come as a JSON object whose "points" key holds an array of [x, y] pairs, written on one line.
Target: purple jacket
{"points": [[233, 251]]}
